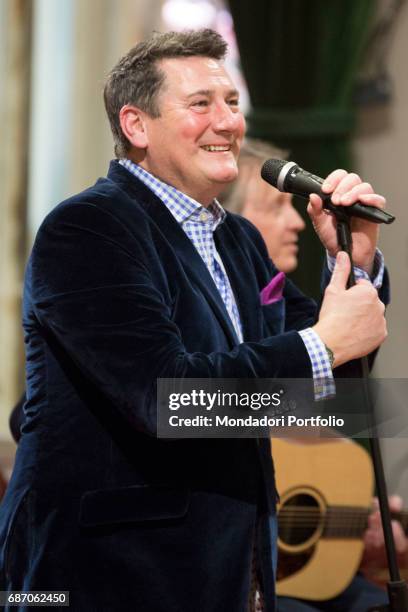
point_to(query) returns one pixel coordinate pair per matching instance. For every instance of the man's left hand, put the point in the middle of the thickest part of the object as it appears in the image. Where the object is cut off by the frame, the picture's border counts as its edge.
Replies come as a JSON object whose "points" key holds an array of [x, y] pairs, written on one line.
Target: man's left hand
{"points": [[346, 189]]}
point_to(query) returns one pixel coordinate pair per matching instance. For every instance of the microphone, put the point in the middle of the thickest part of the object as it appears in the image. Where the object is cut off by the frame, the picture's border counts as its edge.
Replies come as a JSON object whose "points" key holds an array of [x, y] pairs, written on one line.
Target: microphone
{"points": [[289, 177]]}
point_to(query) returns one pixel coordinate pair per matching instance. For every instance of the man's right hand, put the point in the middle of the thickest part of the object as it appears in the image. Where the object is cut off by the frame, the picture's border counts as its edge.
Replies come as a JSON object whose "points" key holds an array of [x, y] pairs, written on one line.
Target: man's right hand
{"points": [[351, 321]]}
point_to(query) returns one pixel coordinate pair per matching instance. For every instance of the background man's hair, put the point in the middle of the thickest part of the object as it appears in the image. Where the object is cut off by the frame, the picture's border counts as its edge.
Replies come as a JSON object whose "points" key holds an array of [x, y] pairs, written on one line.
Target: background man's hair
{"points": [[252, 156], [137, 79]]}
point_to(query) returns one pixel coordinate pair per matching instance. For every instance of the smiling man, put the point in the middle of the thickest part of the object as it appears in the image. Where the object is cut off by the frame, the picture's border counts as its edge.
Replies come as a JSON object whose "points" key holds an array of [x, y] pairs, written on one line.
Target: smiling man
{"points": [[144, 276], [193, 144]]}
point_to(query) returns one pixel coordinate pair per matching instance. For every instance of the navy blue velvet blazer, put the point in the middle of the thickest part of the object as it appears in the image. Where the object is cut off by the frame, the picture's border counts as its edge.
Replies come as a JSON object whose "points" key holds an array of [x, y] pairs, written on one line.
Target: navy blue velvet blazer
{"points": [[116, 296]]}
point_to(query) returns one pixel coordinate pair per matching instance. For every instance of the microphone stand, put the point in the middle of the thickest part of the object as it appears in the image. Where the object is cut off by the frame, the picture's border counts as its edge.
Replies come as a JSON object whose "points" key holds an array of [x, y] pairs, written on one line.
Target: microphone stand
{"points": [[397, 588]]}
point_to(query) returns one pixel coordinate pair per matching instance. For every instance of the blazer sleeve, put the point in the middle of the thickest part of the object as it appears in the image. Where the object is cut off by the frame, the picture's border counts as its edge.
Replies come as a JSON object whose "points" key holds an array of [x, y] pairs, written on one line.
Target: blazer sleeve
{"points": [[93, 291]]}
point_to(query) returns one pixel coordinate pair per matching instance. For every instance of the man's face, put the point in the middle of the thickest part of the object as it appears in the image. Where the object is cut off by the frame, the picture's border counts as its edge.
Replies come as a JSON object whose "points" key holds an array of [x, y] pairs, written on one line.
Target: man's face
{"points": [[195, 142], [272, 212]]}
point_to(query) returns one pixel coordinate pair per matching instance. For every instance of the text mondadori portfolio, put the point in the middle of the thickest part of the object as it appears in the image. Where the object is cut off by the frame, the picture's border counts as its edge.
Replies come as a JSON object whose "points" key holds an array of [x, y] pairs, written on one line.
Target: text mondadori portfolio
{"points": [[253, 421]]}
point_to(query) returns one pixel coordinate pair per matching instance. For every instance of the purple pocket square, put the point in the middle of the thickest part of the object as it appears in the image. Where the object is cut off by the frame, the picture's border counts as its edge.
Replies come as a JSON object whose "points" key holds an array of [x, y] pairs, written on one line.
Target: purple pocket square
{"points": [[274, 289]]}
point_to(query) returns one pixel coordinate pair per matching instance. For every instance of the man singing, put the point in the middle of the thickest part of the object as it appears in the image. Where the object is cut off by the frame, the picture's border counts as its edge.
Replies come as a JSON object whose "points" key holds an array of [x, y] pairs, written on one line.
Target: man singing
{"points": [[144, 276]]}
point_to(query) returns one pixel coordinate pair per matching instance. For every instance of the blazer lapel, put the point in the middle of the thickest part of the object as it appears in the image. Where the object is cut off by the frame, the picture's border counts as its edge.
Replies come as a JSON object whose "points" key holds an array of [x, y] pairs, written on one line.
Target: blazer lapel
{"points": [[242, 279], [172, 232]]}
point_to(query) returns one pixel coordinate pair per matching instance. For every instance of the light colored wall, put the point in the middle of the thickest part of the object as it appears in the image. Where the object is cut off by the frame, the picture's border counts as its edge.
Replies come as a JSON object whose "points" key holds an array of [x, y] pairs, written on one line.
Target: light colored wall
{"points": [[381, 148], [71, 58], [14, 79], [101, 37]]}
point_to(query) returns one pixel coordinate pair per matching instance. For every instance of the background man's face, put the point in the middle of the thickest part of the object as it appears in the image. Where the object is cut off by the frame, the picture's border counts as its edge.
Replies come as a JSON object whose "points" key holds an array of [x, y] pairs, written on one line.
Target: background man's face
{"points": [[195, 142], [272, 212]]}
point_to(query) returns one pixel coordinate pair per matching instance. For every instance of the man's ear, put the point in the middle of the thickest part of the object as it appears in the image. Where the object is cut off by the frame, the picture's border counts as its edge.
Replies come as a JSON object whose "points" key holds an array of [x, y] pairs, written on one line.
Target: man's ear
{"points": [[133, 126]]}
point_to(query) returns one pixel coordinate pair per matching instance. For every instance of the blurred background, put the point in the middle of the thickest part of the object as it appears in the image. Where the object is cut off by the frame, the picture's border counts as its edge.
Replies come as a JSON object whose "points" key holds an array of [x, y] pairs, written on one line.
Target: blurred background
{"points": [[325, 80]]}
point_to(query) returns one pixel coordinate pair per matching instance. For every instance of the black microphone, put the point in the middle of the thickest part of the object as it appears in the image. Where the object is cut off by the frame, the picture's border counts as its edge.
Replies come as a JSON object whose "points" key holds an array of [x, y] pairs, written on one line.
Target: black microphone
{"points": [[290, 178]]}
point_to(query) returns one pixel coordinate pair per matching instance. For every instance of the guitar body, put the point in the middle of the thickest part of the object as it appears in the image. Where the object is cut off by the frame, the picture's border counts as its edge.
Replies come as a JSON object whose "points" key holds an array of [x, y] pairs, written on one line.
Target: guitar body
{"points": [[321, 485]]}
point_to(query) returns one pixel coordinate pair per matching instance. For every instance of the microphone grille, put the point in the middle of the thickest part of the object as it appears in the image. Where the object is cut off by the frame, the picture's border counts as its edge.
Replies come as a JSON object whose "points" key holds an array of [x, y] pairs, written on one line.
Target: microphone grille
{"points": [[271, 169]]}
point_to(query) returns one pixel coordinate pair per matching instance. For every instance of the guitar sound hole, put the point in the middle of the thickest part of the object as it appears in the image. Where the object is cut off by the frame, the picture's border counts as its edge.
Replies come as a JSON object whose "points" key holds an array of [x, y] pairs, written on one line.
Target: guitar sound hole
{"points": [[298, 519]]}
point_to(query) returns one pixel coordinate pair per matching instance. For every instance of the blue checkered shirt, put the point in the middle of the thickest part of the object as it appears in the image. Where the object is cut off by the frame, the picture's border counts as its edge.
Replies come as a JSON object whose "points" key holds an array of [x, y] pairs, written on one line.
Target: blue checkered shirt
{"points": [[378, 269]]}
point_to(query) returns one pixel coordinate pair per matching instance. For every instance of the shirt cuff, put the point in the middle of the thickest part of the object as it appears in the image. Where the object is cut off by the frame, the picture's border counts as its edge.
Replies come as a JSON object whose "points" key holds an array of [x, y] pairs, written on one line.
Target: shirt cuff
{"points": [[323, 380], [378, 269]]}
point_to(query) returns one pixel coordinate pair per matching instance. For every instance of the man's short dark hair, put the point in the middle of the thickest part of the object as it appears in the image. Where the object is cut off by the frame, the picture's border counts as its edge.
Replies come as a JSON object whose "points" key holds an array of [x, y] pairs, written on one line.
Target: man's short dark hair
{"points": [[136, 79]]}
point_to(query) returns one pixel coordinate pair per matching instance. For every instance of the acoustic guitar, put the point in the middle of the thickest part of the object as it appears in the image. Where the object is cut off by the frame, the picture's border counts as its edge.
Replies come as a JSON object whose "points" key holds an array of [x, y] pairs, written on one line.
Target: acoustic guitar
{"points": [[326, 494]]}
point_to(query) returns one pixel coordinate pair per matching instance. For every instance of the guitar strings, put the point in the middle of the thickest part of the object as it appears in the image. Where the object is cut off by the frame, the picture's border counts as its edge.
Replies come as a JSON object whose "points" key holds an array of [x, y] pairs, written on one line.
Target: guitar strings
{"points": [[346, 519]]}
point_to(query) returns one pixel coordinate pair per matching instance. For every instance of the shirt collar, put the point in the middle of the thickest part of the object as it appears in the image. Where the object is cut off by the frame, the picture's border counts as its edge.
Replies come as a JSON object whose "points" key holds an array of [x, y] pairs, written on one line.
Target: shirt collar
{"points": [[181, 206]]}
